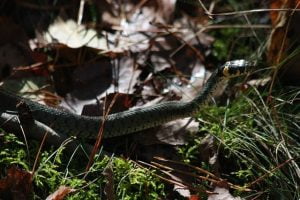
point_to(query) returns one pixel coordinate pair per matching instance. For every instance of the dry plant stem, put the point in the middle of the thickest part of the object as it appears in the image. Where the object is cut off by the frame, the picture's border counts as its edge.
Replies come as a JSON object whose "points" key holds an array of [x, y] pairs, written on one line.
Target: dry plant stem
{"points": [[268, 173], [212, 6], [24, 135], [252, 29], [100, 135], [38, 154], [172, 181], [202, 29], [199, 55], [205, 9], [80, 12], [278, 60], [190, 187], [246, 26], [215, 182], [253, 11], [209, 27], [191, 166], [161, 166], [283, 141], [31, 67]]}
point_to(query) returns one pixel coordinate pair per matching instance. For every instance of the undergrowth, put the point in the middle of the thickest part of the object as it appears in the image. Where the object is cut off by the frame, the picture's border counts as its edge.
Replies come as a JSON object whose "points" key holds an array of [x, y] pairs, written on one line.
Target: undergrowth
{"points": [[256, 139], [56, 168], [257, 143]]}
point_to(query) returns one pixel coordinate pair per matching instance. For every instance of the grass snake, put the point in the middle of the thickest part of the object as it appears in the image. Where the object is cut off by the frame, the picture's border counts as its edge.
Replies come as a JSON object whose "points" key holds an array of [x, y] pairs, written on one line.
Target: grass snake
{"points": [[126, 122]]}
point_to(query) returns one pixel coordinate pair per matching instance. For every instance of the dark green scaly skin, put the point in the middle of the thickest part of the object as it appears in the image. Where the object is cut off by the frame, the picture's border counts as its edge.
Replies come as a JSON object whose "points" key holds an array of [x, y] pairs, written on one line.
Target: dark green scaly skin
{"points": [[126, 122]]}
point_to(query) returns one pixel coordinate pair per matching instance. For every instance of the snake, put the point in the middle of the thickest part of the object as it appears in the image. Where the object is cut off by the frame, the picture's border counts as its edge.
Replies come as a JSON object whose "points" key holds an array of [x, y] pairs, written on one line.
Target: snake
{"points": [[130, 121]]}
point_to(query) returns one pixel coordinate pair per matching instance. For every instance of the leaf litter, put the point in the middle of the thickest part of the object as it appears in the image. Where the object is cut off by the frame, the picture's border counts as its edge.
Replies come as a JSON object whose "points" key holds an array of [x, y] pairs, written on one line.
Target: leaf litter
{"points": [[139, 58]]}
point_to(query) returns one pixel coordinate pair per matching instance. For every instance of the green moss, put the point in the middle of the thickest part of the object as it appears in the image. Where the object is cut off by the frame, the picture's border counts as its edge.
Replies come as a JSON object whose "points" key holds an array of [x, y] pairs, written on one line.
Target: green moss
{"points": [[54, 170]]}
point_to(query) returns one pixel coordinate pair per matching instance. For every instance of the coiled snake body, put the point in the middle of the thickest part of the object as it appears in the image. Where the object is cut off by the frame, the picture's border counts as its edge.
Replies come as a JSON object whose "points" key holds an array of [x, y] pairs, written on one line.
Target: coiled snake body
{"points": [[126, 122]]}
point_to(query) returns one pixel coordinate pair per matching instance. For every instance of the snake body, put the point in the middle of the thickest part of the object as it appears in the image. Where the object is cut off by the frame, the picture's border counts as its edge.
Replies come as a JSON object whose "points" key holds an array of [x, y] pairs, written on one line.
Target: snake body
{"points": [[126, 122]]}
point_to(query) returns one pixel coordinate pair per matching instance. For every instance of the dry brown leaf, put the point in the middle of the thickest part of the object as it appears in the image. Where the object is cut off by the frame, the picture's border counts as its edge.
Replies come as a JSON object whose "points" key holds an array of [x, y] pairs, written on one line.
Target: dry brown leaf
{"points": [[194, 197], [17, 184], [284, 39], [279, 40], [60, 193]]}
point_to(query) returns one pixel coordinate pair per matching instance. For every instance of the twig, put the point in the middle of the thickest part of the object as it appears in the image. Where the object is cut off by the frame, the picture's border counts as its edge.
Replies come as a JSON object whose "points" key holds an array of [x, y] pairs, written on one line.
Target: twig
{"points": [[243, 12], [100, 135], [205, 9], [172, 181], [269, 173], [80, 12]]}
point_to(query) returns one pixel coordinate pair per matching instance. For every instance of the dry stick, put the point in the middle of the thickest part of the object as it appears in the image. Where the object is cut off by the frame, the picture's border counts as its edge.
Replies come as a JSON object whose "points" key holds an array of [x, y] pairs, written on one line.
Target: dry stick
{"points": [[205, 9], [269, 173], [38, 153], [80, 12], [161, 166], [198, 54], [212, 6], [205, 27], [216, 180], [26, 123], [252, 29], [172, 181], [100, 134], [251, 26], [191, 166], [183, 186], [253, 11], [24, 136]]}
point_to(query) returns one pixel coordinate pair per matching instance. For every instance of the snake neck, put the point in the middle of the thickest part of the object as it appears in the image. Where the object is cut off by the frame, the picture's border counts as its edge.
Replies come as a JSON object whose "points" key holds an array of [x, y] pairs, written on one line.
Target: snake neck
{"points": [[212, 85]]}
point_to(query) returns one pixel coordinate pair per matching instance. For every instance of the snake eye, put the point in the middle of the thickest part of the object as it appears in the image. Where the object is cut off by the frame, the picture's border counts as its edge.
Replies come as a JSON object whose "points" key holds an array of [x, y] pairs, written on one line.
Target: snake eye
{"points": [[235, 68]]}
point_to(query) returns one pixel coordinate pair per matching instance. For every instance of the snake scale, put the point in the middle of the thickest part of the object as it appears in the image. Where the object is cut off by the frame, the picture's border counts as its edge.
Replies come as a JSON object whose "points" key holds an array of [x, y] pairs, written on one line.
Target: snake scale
{"points": [[126, 122]]}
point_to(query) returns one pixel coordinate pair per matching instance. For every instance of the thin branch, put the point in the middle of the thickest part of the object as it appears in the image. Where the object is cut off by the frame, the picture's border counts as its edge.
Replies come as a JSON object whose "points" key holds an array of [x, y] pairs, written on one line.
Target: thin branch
{"points": [[243, 12]]}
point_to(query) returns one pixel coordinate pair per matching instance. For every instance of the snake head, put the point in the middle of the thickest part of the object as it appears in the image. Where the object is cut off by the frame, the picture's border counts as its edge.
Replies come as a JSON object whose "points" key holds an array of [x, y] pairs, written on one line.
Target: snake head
{"points": [[235, 68]]}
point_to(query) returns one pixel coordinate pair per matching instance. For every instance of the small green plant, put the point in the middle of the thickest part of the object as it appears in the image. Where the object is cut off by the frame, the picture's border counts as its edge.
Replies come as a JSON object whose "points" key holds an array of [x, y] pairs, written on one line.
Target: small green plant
{"points": [[55, 169], [135, 182], [13, 152], [256, 142]]}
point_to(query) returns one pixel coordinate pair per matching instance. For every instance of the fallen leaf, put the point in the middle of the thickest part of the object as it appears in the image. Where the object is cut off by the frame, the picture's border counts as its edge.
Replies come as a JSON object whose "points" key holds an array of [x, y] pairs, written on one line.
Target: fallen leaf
{"points": [[279, 40], [73, 35], [16, 185], [222, 194], [194, 197], [60, 193]]}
